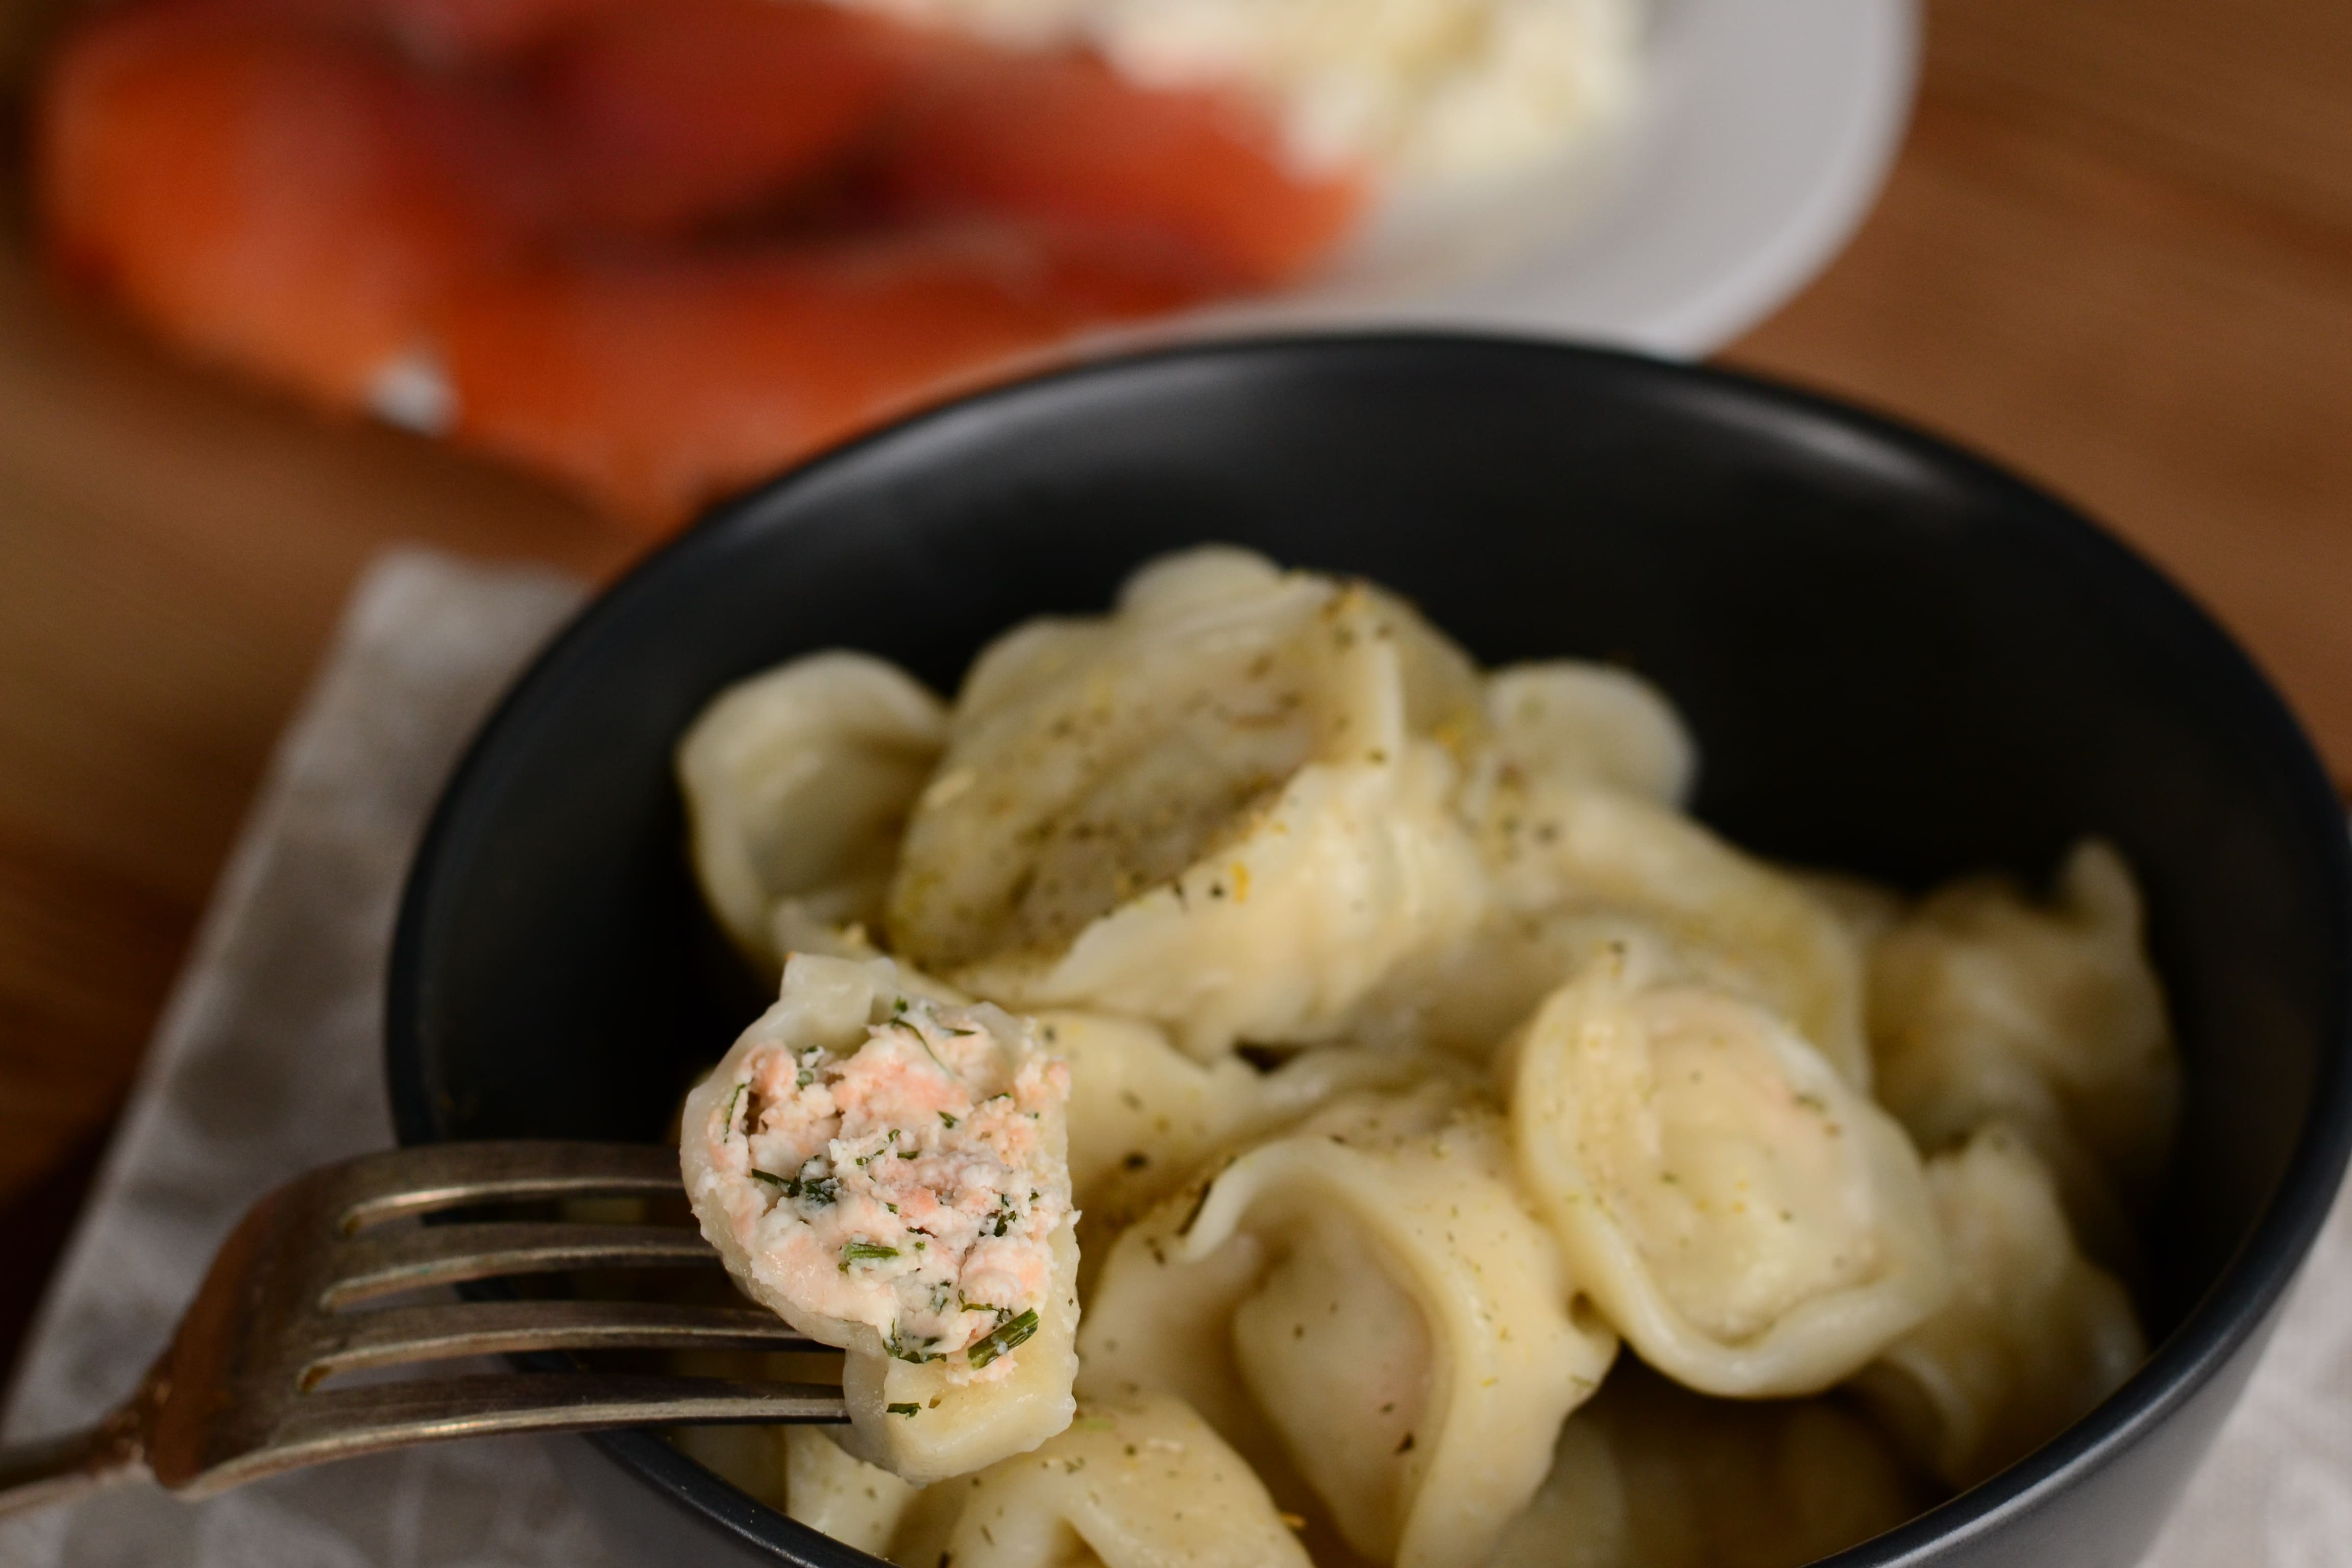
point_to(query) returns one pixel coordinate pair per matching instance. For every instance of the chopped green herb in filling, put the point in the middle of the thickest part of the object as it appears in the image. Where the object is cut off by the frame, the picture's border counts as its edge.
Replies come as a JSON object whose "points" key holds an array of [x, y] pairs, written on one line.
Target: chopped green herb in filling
{"points": [[1005, 1337], [909, 1024]]}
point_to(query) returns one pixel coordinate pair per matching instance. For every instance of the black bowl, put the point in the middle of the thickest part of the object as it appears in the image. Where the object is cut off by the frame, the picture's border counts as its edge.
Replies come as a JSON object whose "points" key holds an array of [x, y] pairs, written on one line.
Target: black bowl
{"points": [[1898, 660]]}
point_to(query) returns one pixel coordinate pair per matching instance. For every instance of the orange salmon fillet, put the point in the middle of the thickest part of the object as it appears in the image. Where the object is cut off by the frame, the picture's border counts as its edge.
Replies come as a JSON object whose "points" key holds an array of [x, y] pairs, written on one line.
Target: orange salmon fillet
{"points": [[280, 202], [1064, 138], [658, 385], [669, 115], [660, 248]]}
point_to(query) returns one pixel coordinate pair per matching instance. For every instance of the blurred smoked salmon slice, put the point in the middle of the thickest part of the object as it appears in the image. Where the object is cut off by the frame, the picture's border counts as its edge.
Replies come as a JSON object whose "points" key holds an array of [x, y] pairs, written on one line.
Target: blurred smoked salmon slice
{"points": [[1064, 137], [285, 202], [661, 384], [670, 114], [660, 248]]}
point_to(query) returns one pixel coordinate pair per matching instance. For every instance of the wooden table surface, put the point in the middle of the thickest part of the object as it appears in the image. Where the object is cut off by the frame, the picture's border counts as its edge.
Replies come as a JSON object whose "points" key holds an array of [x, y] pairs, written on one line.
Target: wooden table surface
{"points": [[2117, 253]]}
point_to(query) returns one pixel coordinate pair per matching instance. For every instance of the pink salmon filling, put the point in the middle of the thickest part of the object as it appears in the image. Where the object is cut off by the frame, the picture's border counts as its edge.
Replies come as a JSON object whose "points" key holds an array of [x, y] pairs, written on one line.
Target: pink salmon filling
{"points": [[908, 1186]]}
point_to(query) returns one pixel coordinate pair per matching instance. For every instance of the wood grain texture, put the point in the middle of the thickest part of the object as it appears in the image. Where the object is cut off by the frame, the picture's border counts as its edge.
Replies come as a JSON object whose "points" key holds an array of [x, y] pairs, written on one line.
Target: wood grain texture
{"points": [[2118, 256], [2117, 253]]}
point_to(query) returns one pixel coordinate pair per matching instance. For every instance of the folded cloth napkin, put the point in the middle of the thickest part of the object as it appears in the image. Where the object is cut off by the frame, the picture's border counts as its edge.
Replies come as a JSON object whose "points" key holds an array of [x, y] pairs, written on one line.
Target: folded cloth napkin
{"points": [[269, 1061]]}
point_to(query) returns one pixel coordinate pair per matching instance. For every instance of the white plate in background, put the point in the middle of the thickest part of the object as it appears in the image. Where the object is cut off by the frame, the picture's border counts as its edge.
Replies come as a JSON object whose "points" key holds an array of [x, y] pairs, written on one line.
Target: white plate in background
{"points": [[1765, 130]]}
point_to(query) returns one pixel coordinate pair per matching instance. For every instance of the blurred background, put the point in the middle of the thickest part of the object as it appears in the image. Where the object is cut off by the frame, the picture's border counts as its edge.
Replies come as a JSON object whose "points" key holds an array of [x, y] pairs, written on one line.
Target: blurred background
{"points": [[2115, 251]]}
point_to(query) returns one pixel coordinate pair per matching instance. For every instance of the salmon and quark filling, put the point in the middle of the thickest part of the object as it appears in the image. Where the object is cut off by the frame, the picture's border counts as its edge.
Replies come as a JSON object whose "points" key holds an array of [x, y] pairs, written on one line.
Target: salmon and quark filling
{"points": [[886, 1172]]}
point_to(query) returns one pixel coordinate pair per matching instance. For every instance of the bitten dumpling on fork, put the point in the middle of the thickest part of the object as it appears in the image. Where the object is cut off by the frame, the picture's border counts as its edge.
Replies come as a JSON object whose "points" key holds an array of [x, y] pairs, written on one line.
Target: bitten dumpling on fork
{"points": [[1221, 808], [1750, 1223], [1365, 1310], [888, 1173]]}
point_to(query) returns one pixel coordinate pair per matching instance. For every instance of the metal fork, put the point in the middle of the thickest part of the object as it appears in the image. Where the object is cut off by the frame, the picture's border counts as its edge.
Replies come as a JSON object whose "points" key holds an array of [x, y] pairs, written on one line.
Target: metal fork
{"points": [[236, 1397]]}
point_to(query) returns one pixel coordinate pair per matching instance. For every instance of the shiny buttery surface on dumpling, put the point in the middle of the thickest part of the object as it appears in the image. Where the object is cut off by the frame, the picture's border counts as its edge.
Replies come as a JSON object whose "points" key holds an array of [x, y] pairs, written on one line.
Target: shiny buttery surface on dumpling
{"points": [[1368, 1311], [2033, 1335], [1745, 1219], [797, 783], [1220, 808]]}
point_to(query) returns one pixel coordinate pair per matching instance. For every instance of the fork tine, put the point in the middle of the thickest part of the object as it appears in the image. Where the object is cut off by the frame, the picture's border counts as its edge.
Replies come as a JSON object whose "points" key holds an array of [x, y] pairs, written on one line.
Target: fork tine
{"points": [[403, 1182], [342, 1423], [380, 1264], [234, 1397], [397, 1334]]}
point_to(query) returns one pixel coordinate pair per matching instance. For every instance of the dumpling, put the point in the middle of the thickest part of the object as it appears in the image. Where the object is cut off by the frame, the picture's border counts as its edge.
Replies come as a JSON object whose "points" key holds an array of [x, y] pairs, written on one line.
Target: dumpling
{"points": [[797, 783], [798, 1471], [1987, 1006], [889, 1174], [2033, 1337], [834, 1492], [1867, 909], [1752, 1224], [1221, 809], [1140, 1483], [1561, 852], [1144, 1116], [1569, 721], [1367, 1311], [1651, 1476]]}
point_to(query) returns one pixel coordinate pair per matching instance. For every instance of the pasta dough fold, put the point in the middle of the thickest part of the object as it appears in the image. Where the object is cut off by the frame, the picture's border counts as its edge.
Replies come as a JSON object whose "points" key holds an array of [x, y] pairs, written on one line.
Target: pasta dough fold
{"points": [[1986, 1005], [1561, 851], [1144, 1116], [1748, 1220], [1572, 722], [1650, 1476], [836, 1493], [2033, 1337], [1140, 1483], [797, 782], [1222, 809], [1366, 1310]]}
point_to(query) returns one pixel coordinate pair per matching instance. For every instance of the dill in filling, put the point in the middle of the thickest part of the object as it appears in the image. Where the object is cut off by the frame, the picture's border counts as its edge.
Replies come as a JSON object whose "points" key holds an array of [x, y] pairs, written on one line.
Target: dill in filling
{"points": [[1004, 1337]]}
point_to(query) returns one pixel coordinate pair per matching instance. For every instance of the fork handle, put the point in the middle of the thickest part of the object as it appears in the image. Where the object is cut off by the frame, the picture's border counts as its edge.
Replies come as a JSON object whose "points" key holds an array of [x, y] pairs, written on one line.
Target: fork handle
{"points": [[59, 1469]]}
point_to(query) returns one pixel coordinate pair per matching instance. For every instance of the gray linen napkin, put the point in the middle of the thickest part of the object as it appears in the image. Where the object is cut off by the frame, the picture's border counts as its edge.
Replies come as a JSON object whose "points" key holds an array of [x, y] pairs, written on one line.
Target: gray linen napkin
{"points": [[269, 1061]]}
